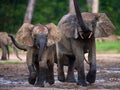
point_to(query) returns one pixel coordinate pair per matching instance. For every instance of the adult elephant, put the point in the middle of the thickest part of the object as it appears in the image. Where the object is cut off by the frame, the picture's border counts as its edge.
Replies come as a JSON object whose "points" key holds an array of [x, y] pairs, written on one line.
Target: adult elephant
{"points": [[39, 42], [78, 37], [5, 41]]}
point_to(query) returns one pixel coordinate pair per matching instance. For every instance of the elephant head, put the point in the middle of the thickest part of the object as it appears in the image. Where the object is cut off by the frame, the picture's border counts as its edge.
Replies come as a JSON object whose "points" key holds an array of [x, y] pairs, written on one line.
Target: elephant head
{"points": [[37, 36], [86, 24]]}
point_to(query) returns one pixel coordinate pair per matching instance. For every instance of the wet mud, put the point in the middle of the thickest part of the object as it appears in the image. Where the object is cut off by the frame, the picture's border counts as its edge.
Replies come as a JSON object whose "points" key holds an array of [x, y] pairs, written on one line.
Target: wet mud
{"points": [[14, 76]]}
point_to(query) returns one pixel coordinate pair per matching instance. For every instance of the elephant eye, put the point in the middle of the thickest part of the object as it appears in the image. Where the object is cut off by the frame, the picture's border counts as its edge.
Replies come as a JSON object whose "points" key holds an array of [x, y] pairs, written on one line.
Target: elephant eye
{"points": [[35, 39]]}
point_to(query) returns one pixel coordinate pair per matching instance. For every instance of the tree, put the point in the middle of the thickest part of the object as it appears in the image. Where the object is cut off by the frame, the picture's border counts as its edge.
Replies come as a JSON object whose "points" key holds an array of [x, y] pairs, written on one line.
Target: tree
{"points": [[29, 11], [89, 4], [93, 5], [71, 7]]}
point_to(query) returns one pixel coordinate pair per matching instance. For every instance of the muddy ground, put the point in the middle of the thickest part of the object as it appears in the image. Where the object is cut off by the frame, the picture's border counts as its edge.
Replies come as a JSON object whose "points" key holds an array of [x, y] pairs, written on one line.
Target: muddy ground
{"points": [[14, 76]]}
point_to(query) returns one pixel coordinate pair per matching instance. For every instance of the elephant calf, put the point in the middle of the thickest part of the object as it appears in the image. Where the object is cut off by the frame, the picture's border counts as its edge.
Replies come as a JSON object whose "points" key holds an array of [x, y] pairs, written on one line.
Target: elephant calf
{"points": [[39, 42], [5, 41]]}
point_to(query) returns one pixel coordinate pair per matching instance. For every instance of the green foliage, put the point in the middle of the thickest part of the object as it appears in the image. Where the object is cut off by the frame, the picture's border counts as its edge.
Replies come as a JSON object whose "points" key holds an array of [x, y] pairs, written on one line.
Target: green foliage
{"points": [[113, 46], [12, 12], [9, 62], [111, 8], [49, 11]]}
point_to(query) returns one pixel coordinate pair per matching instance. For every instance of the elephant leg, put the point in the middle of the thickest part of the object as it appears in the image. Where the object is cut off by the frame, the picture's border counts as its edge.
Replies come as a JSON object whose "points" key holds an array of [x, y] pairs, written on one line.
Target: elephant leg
{"points": [[50, 72], [31, 66], [77, 47], [81, 74], [32, 74], [41, 77], [61, 75], [91, 76], [70, 74], [4, 52]]}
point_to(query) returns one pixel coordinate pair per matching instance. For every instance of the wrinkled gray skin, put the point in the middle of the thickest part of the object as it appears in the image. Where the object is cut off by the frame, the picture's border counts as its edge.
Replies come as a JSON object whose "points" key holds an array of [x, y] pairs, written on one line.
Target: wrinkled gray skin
{"points": [[73, 47], [40, 60], [5, 41]]}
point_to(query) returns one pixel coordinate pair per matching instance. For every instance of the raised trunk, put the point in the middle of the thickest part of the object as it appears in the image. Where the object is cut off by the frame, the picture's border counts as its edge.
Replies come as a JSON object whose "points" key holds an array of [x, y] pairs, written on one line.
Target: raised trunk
{"points": [[83, 26], [16, 44]]}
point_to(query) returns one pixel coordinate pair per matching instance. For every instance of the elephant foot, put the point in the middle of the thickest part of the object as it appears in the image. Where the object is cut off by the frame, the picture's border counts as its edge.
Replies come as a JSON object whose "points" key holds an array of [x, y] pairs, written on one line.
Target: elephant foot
{"points": [[61, 78], [50, 80], [33, 74], [91, 76], [3, 58], [32, 78], [70, 79], [39, 84], [83, 83], [31, 81]]}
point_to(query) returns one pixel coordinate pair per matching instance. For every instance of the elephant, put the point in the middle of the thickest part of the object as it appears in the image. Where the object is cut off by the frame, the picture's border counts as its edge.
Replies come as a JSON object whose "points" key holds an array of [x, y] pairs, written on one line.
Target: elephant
{"points": [[79, 31], [39, 42], [5, 41]]}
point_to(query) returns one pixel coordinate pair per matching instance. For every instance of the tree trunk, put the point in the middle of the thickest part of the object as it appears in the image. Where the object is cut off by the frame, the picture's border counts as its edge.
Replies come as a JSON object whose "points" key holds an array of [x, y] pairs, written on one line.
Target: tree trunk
{"points": [[95, 6], [29, 11], [71, 7], [89, 4]]}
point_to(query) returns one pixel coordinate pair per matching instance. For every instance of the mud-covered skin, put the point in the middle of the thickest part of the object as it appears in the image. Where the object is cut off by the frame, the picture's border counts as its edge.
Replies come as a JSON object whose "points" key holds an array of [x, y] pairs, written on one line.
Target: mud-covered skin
{"points": [[79, 31], [39, 42], [78, 39]]}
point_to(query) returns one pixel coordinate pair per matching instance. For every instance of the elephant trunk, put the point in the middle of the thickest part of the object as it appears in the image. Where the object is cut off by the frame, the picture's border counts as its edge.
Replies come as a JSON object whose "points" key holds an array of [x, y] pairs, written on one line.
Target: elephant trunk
{"points": [[42, 45], [16, 44], [85, 29]]}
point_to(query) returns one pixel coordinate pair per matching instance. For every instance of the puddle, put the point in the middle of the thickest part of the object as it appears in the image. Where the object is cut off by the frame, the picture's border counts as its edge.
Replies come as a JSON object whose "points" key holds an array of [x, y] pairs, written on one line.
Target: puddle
{"points": [[8, 82], [109, 70], [98, 80]]}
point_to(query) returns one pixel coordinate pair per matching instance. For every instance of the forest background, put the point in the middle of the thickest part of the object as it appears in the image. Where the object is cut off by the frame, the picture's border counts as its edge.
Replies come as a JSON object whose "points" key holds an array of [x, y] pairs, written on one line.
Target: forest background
{"points": [[12, 12]]}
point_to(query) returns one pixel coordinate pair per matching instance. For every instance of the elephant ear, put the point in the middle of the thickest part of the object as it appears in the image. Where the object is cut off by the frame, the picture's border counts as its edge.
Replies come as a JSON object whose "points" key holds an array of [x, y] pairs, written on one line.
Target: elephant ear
{"points": [[23, 36], [54, 34], [68, 25], [104, 26]]}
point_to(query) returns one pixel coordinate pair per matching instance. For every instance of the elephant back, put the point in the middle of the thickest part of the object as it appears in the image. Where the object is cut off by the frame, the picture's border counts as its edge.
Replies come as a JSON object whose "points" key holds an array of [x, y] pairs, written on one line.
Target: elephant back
{"points": [[4, 38]]}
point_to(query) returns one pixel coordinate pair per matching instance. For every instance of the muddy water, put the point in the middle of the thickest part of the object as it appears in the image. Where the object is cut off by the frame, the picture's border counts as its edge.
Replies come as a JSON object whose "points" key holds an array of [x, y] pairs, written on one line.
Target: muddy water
{"points": [[14, 76], [100, 79]]}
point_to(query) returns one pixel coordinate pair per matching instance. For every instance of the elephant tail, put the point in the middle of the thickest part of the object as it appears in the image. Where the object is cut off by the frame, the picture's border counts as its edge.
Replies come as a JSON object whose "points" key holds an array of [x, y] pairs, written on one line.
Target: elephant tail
{"points": [[21, 47]]}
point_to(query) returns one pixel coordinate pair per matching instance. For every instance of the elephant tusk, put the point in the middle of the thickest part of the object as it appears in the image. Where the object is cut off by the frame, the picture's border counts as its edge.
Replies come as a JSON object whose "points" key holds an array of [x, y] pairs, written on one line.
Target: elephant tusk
{"points": [[90, 35], [81, 35]]}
